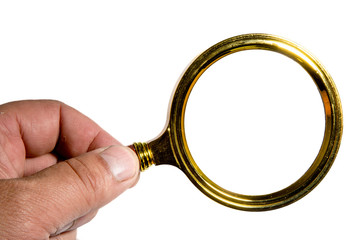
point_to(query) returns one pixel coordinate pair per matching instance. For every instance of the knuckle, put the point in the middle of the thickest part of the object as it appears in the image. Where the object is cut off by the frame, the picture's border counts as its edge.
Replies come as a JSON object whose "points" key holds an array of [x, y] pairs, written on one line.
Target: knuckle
{"points": [[89, 177]]}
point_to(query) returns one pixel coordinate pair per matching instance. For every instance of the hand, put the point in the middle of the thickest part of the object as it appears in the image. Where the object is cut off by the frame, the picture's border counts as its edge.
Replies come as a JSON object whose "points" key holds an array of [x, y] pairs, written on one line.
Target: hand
{"points": [[57, 168]]}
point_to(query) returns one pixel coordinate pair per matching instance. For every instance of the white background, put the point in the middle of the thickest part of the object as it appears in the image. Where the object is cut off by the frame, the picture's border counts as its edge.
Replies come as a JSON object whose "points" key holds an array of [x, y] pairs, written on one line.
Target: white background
{"points": [[118, 62]]}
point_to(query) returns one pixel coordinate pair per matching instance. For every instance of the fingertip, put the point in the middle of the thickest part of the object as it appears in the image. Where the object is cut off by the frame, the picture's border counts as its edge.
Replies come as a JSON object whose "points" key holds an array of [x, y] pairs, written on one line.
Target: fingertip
{"points": [[122, 161]]}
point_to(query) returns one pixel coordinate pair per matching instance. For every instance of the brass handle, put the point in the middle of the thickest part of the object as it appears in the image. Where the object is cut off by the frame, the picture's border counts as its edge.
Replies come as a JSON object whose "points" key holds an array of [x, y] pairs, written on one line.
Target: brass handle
{"points": [[171, 146]]}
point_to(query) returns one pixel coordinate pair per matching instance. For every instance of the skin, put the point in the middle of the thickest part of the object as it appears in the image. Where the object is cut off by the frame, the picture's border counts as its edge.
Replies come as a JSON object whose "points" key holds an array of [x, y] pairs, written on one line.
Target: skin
{"points": [[53, 176]]}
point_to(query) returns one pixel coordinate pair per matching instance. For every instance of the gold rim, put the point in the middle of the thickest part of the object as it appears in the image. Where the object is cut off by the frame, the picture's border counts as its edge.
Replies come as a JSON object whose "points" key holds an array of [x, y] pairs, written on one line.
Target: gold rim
{"points": [[331, 140]]}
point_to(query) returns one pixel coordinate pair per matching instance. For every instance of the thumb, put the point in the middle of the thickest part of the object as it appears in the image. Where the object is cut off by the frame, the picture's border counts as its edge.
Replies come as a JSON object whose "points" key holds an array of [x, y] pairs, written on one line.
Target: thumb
{"points": [[68, 194]]}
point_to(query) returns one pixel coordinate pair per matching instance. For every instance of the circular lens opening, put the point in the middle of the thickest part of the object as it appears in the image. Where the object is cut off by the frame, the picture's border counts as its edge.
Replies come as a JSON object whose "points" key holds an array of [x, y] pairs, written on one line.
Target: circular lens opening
{"points": [[254, 122]]}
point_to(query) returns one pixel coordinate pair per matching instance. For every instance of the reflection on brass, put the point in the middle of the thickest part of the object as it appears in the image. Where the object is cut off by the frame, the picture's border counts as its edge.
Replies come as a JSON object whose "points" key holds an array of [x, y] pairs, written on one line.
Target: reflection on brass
{"points": [[171, 146]]}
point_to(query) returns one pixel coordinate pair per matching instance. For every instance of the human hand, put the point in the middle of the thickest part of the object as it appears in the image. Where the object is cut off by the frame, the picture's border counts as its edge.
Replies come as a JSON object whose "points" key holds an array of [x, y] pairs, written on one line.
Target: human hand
{"points": [[56, 170]]}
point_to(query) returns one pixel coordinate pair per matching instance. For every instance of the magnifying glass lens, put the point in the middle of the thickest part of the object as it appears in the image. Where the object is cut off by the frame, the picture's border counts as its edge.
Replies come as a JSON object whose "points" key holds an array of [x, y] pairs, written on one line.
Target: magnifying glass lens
{"points": [[248, 120]]}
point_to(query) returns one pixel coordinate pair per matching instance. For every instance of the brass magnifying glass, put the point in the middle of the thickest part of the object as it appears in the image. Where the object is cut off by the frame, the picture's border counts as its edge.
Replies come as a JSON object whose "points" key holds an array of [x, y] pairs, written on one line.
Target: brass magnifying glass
{"points": [[171, 146]]}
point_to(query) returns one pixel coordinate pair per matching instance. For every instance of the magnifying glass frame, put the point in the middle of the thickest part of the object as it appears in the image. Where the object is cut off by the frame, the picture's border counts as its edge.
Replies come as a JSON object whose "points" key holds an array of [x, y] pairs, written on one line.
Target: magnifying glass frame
{"points": [[171, 146]]}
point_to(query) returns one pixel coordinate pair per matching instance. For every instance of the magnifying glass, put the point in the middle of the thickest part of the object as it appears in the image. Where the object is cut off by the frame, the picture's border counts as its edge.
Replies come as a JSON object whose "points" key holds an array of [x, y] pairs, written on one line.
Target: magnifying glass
{"points": [[171, 146]]}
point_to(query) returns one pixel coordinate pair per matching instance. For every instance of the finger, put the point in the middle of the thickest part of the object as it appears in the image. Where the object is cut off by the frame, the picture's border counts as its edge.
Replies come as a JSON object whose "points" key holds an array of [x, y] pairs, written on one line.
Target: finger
{"points": [[33, 128], [83, 220], [32, 125], [79, 134], [76, 187], [34, 165], [41, 123], [71, 235], [76, 223]]}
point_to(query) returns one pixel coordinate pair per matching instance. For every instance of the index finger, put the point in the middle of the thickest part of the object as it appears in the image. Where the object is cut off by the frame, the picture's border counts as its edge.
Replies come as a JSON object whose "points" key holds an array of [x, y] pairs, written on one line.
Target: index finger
{"points": [[38, 127]]}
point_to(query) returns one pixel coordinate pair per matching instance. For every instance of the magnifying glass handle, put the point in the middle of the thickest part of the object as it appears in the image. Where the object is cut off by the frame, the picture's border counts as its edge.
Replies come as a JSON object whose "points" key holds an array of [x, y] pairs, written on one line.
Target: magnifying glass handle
{"points": [[155, 152]]}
